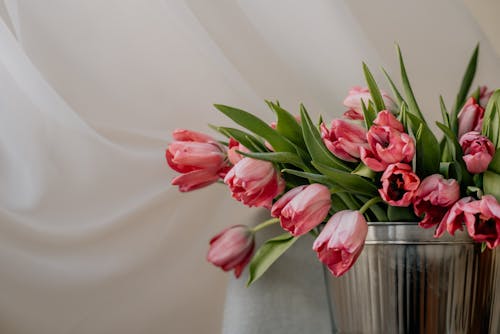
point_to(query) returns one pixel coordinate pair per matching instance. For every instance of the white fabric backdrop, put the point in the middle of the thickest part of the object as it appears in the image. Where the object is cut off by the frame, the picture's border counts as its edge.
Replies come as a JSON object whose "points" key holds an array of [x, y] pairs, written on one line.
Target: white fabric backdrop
{"points": [[92, 237]]}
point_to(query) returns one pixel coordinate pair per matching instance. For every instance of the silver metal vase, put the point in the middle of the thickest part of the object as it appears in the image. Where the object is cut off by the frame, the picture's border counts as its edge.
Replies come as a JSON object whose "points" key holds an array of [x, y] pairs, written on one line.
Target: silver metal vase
{"points": [[406, 281]]}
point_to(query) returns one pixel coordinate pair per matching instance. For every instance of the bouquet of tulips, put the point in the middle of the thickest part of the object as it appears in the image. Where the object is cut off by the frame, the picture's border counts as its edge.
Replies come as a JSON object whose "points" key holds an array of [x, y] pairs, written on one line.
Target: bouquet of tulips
{"points": [[380, 162]]}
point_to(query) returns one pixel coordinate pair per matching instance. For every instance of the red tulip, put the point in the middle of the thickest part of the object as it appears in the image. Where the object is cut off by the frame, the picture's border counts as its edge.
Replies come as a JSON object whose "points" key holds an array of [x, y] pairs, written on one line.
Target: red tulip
{"points": [[302, 208], [344, 139], [232, 249], [399, 184], [254, 182], [481, 217], [470, 118], [353, 102], [478, 151], [200, 158], [341, 241], [387, 146], [433, 198]]}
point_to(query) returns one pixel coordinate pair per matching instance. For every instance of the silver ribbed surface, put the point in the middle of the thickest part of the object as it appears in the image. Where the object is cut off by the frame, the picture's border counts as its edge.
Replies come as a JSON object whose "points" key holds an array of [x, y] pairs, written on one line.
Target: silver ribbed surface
{"points": [[405, 281]]}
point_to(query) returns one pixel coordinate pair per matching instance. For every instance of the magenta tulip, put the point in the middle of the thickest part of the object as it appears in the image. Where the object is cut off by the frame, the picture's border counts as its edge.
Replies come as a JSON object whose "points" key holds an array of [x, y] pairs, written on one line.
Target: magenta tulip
{"points": [[399, 184], [478, 151], [232, 249], [386, 146], [353, 102], [302, 208], [433, 198], [470, 118], [254, 182], [341, 241], [199, 157], [344, 139]]}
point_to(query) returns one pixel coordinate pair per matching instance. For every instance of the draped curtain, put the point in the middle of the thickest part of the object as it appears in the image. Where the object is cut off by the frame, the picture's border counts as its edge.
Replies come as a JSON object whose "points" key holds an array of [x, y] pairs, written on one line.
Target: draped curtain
{"points": [[93, 239]]}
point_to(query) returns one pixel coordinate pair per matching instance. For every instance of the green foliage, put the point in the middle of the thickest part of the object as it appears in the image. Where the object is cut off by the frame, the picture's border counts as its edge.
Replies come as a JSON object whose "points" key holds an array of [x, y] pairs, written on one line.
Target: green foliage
{"points": [[374, 90], [467, 79], [268, 254]]}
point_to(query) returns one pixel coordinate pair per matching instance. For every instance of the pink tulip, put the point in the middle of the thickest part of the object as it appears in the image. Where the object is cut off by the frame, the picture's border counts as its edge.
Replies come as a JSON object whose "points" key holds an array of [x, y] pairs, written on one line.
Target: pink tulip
{"points": [[344, 139], [481, 217], [484, 96], [386, 146], [200, 158], [353, 102], [302, 208], [232, 249], [386, 118], [254, 182], [470, 118], [478, 151], [234, 146], [399, 185], [433, 198], [453, 219], [341, 241]]}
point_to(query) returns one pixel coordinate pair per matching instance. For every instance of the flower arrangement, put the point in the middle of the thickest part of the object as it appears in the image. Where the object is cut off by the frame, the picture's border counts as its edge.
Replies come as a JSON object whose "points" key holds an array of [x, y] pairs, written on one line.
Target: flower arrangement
{"points": [[380, 162]]}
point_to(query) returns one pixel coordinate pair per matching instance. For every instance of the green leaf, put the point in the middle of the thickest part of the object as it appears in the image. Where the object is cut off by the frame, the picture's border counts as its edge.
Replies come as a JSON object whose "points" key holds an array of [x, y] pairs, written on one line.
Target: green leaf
{"points": [[276, 157], [267, 254], [494, 165], [364, 170], [452, 170], [337, 204], [491, 121], [374, 90], [491, 184], [319, 178], [410, 97], [369, 115], [400, 214], [444, 112], [465, 87], [257, 126], [286, 124], [314, 143], [394, 89], [244, 138], [452, 141], [352, 182], [427, 147]]}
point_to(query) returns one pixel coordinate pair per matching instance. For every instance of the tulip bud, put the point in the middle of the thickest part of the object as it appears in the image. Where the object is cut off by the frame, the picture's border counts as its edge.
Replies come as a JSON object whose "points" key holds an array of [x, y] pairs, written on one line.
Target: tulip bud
{"points": [[470, 118], [232, 249], [478, 151], [353, 102], [302, 208], [341, 241], [254, 182], [199, 157]]}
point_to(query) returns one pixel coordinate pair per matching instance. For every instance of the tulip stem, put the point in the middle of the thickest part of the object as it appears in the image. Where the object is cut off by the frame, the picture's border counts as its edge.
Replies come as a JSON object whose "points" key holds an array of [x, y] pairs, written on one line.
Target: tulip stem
{"points": [[265, 224], [368, 204]]}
